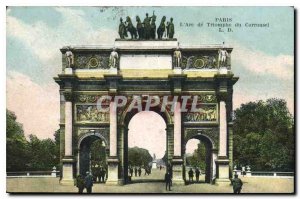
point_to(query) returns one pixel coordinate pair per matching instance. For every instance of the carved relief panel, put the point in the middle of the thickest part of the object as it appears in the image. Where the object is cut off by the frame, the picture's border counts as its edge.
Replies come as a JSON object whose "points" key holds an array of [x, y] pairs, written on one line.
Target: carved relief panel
{"points": [[88, 110], [206, 110], [202, 60], [92, 61]]}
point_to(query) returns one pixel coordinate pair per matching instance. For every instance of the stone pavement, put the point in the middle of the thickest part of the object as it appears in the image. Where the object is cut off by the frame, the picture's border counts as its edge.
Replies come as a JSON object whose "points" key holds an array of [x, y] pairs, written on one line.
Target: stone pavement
{"points": [[152, 184]]}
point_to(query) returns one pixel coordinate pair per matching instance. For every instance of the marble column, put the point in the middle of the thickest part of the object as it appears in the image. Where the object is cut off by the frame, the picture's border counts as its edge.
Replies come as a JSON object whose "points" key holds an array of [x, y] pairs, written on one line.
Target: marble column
{"points": [[112, 128], [177, 129], [113, 160], [68, 128], [68, 160], [170, 142], [223, 130], [223, 161], [177, 161]]}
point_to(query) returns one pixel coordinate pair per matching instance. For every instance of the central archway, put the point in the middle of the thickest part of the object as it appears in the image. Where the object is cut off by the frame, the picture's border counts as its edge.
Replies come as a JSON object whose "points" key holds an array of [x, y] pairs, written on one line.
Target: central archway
{"points": [[165, 138]]}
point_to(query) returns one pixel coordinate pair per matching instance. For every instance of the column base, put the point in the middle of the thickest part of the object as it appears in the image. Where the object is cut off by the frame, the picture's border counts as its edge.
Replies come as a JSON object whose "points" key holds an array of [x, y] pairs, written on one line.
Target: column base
{"points": [[177, 163], [121, 182], [223, 70], [177, 71], [222, 170], [112, 179], [67, 171], [113, 71], [69, 71]]}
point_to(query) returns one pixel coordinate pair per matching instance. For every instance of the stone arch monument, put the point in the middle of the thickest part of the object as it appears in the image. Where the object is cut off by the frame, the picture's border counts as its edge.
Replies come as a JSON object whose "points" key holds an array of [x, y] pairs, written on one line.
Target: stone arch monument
{"points": [[147, 68]]}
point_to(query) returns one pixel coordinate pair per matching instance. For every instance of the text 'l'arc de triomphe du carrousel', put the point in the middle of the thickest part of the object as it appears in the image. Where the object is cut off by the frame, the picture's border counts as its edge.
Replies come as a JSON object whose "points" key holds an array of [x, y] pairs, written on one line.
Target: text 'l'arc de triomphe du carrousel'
{"points": [[148, 63]]}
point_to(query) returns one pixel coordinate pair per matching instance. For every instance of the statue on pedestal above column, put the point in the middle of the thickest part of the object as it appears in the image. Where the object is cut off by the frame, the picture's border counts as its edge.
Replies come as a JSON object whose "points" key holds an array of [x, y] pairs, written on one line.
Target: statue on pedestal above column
{"points": [[223, 54], [113, 58], [69, 58], [177, 58]]}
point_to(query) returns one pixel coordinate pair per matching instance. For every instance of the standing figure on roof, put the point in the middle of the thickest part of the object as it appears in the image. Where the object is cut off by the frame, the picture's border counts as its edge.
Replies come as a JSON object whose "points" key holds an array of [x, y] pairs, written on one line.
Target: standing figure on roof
{"points": [[122, 29], [147, 27]]}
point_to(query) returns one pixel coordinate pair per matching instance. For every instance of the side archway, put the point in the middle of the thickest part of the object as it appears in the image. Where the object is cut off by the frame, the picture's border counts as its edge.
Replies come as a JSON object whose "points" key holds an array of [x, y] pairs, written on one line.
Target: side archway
{"points": [[209, 157], [93, 150]]}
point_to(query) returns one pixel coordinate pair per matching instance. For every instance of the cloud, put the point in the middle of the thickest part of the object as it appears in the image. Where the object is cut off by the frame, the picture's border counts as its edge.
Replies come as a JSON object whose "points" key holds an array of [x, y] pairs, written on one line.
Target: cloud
{"points": [[45, 41], [262, 65], [243, 97], [281, 66], [36, 107]]}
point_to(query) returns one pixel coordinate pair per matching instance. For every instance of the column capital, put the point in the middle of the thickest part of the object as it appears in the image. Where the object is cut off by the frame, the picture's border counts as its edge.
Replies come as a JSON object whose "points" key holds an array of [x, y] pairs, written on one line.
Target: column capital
{"points": [[177, 81], [222, 96], [68, 94], [112, 81]]}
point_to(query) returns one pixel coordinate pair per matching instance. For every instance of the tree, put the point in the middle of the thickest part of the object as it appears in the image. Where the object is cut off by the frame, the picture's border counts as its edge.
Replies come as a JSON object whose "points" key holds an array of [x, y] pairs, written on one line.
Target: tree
{"points": [[139, 156], [197, 159], [264, 136], [23, 155], [16, 144], [98, 155], [43, 153]]}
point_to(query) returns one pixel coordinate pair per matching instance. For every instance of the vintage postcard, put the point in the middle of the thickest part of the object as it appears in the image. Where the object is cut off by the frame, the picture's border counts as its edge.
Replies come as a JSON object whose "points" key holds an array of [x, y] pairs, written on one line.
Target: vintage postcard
{"points": [[150, 100]]}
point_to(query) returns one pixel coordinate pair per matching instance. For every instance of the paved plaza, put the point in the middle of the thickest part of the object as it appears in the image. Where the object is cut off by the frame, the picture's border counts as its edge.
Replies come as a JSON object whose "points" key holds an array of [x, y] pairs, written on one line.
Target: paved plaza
{"points": [[153, 184]]}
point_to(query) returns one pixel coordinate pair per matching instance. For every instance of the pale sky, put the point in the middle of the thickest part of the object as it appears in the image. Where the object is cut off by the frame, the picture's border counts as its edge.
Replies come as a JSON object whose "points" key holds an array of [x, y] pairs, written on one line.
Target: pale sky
{"points": [[262, 57], [148, 127]]}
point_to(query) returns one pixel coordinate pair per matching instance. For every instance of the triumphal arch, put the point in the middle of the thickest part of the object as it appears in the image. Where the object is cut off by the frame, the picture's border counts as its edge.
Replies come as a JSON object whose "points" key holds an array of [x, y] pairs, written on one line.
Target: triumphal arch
{"points": [[102, 88]]}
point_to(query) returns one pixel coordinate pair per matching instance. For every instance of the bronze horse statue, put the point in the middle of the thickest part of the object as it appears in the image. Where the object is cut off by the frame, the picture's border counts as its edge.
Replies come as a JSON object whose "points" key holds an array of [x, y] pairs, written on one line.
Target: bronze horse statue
{"points": [[162, 27], [130, 28], [139, 27]]}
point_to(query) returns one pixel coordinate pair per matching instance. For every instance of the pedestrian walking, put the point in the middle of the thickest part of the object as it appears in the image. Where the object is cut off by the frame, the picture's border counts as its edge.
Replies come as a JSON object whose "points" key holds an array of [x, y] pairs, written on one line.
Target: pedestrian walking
{"points": [[197, 172], [131, 171], [80, 183], [88, 181], [168, 181], [237, 184], [191, 175], [140, 171], [135, 171]]}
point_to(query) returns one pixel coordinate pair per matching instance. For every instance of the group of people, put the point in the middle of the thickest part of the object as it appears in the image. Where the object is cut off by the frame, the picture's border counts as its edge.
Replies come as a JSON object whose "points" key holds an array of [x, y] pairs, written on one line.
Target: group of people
{"points": [[138, 171], [146, 29], [99, 173], [191, 175], [86, 182]]}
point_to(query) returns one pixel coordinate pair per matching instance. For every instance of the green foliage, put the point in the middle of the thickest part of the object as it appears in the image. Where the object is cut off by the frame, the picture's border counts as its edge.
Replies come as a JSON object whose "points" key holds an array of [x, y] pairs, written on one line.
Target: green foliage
{"points": [[138, 156], [16, 144], [197, 159], [32, 154], [264, 136], [42, 154], [98, 155]]}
